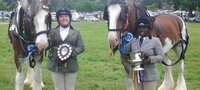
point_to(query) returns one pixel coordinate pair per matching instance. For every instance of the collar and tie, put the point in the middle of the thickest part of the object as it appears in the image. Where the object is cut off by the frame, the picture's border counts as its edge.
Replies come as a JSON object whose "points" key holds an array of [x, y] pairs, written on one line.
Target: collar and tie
{"points": [[141, 40], [64, 32]]}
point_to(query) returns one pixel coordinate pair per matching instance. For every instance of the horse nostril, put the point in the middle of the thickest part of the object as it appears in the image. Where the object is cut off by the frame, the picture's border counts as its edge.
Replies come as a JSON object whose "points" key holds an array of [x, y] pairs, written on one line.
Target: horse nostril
{"points": [[116, 39]]}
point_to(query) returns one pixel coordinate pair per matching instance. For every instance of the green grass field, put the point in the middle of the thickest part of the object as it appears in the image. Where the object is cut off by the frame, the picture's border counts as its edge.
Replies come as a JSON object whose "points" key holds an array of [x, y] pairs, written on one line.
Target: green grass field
{"points": [[98, 71]]}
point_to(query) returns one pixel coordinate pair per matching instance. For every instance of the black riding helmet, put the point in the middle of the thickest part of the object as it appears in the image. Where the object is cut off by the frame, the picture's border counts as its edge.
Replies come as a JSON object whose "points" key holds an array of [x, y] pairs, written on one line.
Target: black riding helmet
{"points": [[144, 22], [63, 11]]}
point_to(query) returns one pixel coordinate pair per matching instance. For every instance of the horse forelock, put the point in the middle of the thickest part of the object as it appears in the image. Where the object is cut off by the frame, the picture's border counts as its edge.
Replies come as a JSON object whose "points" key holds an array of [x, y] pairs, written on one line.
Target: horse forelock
{"points": [[45, 2], [34, 7]]}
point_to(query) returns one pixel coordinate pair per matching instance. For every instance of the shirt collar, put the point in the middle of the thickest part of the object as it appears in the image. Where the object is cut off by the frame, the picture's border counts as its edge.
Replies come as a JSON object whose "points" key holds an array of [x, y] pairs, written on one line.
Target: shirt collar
{"points": [[62, 28], [143, 37]]}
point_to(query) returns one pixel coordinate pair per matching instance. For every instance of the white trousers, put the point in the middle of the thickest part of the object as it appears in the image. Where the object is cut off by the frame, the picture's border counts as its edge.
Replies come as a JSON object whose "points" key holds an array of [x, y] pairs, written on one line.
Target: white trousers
{"points": [[64, 81]]}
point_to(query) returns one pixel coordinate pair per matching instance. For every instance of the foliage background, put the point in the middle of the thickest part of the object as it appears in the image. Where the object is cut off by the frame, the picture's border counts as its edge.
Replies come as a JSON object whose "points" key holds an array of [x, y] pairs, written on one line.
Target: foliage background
{"points": [[98, 71], [97, 5]]}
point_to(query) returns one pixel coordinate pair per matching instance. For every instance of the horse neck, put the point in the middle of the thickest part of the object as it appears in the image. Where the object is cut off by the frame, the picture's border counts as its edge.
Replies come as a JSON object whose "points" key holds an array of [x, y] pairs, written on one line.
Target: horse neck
{"points": [[132, 17], [136, 11]]}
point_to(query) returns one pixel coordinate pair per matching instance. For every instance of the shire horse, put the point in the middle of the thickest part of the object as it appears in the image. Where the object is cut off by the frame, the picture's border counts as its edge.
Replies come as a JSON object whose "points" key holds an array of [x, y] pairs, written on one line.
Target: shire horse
{"points": [[27, 31], [170, 29]]}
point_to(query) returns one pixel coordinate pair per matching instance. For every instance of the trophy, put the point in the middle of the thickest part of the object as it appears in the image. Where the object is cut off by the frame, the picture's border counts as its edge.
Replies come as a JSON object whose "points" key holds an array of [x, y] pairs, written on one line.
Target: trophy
{"points": [[64, 51], [136, 60]]}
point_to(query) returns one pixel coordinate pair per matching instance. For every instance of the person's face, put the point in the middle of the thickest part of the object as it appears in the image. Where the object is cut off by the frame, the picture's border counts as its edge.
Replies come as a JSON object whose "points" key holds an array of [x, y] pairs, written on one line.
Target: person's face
{"points": [[64, 20], [143, 31]]}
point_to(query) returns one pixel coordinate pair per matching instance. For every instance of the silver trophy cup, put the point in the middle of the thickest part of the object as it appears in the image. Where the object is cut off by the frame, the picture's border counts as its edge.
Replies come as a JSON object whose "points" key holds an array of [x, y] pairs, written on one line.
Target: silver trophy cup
{"points": [[136, 60]]}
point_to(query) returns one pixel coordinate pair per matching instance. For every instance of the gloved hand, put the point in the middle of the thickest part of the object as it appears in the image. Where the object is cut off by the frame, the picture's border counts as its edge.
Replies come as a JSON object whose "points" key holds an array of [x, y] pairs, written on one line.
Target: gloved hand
{"points": [[126, 57], [146, 59]]}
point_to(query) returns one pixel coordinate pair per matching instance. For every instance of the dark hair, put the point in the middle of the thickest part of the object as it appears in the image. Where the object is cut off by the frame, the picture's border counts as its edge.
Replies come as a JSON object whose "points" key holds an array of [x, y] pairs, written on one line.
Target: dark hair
{"points": [[63, 11]]}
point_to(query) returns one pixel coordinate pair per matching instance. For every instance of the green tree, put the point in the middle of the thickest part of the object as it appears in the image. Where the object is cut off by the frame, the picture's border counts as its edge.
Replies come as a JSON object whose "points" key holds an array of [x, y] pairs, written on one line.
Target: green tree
{"points": [[3, 6], [10, 3], [89, 6], [57, 4], [190, 5], [152, 7]]}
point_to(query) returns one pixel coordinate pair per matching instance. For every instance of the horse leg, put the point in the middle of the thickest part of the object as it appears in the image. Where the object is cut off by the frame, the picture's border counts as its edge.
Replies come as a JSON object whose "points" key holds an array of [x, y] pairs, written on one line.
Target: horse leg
{"points": [[29, 75], [129, 81], [181, 84], [19, 85], [37, 76], [168, 82]]}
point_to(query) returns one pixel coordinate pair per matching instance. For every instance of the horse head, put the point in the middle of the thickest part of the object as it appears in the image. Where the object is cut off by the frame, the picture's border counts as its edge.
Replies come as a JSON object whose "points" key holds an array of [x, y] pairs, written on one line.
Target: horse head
{"points": [[117, 13], [40, 16], [122, 16]]}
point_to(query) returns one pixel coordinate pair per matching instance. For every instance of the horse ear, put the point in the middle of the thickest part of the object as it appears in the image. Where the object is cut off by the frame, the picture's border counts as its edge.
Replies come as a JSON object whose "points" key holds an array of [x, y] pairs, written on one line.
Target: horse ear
{"points": [[105, 13]]}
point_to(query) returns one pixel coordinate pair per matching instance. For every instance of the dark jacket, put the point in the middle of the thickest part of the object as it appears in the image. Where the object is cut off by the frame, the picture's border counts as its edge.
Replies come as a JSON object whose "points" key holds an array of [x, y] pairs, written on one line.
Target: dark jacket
{"points": [[75, 40]]}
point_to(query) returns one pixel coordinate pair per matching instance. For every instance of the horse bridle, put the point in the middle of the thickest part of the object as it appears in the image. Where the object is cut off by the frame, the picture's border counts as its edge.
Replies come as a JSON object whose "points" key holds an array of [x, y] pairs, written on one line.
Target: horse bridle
{"points": [[123, 18], [20, 26], [46, 8], [24, 42]]}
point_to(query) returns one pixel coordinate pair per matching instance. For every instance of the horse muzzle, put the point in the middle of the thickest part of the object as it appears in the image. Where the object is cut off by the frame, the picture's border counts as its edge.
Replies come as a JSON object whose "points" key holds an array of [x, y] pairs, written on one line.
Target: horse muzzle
{"points": [[113, 39], [42, 44]]}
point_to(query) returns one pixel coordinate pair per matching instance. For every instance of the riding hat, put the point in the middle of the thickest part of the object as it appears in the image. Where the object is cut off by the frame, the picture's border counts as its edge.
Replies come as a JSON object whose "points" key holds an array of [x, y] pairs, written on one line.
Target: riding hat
{"points": [[63, 11], [144, 22]]}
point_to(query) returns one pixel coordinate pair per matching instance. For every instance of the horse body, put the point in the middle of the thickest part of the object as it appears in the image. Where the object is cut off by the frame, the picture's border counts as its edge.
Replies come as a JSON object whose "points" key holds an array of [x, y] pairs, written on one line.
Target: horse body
{"points": [[171, 29], [29, 28]]}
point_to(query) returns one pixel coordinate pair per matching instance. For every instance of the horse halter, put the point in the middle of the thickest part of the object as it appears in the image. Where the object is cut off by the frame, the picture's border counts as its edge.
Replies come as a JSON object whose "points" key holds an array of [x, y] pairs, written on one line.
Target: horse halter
{"points": [[48, 22], [123, 17], [25, 24]]}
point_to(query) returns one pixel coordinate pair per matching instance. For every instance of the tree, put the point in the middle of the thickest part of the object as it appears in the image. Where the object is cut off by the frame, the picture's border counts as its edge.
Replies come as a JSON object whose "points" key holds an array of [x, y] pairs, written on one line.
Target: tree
{"points": [[190, 5], [89, 6], [10, 3], [3, 6]]}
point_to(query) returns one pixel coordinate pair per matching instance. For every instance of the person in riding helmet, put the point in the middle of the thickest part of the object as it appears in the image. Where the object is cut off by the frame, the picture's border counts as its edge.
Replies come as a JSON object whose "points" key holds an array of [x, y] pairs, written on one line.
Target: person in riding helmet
{"points": [[62, 13], [152, 50], [65, 44]]}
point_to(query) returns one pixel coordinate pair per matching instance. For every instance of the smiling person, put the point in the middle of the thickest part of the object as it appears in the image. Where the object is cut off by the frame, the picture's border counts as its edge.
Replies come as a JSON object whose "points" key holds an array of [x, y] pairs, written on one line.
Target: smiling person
{"points": [[65, 44], [151, 47]]}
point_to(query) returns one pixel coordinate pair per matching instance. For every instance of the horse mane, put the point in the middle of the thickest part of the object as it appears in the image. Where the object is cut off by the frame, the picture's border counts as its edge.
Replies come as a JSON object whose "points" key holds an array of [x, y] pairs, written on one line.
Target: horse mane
{"points": [[34, 6], [142, 12], [119, 1], [30, 6]]}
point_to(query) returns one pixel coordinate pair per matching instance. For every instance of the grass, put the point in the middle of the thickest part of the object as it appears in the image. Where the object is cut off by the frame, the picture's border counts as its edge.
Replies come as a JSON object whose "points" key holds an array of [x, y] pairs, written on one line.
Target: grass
{"points": [[98, 71]]}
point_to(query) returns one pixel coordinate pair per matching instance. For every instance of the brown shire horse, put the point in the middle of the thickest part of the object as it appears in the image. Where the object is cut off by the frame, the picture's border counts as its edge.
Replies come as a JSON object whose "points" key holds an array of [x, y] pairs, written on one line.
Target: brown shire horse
{"points": [[27, 31], [122, 16]]}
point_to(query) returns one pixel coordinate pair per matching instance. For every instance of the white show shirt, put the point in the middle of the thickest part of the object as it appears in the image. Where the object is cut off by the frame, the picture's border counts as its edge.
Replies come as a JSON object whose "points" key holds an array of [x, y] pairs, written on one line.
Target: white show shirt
{"points": [[64, 32]]}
